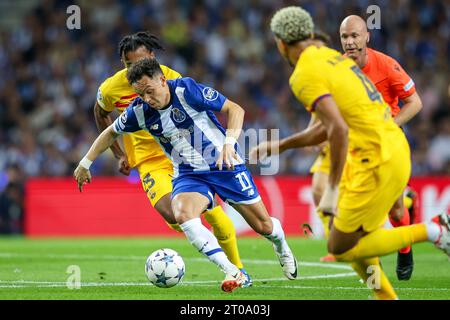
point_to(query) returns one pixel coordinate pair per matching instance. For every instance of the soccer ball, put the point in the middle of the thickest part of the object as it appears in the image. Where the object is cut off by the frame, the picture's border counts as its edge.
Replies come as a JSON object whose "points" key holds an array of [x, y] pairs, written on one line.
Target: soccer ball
{"points": [[164, 268]]}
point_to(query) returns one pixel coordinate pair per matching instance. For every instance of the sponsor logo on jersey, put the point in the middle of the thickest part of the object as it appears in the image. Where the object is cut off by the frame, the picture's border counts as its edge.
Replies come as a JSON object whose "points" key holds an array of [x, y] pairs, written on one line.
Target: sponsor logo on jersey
{"points": [[210, 94], [180, 134]]}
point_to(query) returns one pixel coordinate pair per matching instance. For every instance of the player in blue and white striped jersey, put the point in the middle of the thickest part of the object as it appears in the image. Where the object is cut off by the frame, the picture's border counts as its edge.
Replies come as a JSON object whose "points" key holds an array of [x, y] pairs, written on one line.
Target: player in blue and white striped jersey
{"points": [[187, 129], [179, 114]]}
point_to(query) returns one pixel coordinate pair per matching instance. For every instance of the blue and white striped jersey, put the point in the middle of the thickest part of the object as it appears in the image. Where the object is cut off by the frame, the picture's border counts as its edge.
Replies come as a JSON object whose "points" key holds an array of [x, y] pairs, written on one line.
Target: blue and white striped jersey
{"points": [[187, 130]]}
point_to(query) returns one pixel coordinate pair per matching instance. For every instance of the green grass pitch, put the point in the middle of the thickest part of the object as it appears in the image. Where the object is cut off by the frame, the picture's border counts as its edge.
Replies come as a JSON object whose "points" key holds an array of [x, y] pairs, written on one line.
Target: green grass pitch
{"points": [[114, 269]]}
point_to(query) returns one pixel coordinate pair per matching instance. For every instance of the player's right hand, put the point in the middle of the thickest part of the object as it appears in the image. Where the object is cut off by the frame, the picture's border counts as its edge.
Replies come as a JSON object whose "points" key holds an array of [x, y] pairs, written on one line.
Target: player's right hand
{"points": [[124, 166], [264, 150], [82, 175], [328, 202]]}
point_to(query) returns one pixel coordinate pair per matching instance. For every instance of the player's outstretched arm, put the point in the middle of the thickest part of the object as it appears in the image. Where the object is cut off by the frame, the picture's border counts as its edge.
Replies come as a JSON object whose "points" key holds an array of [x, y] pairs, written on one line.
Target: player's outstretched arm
{"points": [[103, 142], [337, 131], [235, 115], [103, 120], [412, 105], [313, 135]]}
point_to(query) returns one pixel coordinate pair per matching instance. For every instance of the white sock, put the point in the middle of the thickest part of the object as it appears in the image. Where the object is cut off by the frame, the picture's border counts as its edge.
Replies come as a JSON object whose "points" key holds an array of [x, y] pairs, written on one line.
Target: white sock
{"points": [[205, 242], [277, 237], [433, 231]]}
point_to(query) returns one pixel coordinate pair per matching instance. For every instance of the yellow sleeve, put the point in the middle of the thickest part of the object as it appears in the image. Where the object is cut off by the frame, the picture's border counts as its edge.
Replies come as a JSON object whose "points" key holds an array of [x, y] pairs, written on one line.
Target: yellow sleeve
{"points": [[103, 98], [310, 85], [170, 73]]}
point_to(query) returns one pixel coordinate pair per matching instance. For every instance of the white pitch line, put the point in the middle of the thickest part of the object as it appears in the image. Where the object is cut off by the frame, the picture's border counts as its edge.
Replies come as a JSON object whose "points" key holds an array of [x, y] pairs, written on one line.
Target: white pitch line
{"points": [[10, 255], [323, 276], [208, 283], [42, 284]]}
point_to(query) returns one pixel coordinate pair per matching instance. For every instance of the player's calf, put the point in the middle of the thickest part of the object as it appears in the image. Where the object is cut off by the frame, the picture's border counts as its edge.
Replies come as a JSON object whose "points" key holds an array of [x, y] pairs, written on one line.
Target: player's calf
{"points": [[258, 218]]}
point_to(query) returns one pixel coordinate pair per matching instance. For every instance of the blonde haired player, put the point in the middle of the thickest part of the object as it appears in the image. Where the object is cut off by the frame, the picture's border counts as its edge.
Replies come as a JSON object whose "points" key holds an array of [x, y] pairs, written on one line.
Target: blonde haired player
{"points": [[370, 161], [394, 84], [143, 152]]}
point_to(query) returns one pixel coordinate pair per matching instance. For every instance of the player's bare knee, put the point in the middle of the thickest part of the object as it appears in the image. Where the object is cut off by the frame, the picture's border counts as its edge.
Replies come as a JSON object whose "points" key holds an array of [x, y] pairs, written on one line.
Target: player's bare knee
{"points": [[182, 216], [179, 210], [335, 248]]}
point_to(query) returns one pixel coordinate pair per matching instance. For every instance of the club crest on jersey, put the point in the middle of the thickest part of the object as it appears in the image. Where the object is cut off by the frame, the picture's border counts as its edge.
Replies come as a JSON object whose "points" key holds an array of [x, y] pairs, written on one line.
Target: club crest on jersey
{"points": [[178, 115], [124, 117], [210, 94]]}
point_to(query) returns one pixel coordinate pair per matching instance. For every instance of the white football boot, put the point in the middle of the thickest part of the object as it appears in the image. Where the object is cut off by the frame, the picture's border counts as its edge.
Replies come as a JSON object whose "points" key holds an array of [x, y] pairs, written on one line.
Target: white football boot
{"points": [[288, 263]]}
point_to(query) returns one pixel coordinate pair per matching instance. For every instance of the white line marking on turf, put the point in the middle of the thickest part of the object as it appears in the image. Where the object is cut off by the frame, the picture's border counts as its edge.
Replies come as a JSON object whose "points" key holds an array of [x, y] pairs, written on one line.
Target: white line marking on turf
{"points": [[40, 284], [11, 284], [143, 258]]}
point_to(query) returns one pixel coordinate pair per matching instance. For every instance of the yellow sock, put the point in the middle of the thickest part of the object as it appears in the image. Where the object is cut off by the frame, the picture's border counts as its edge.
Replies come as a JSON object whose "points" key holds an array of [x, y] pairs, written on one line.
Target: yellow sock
{"points": [[374, 277], [325, 222], [384, 241], [174, 226], [225, 233], [407, 202]]}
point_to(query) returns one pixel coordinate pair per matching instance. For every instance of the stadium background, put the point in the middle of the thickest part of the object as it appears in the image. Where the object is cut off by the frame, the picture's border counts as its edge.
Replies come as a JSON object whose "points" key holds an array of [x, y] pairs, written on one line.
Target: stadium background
{"points": [[50, 77]]}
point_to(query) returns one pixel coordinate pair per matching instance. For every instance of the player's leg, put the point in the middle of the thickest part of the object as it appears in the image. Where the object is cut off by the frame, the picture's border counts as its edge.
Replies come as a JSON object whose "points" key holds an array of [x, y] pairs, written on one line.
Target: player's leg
{"points": [[399, 216], [319, 181], [366, 195], [372, 274], [411, 202], [238, 188], [225, 233], [359, 247], [157, 183], [187, 207], [190, 197], [320, 171], [357, 228], [259, 220], [354, 246]]}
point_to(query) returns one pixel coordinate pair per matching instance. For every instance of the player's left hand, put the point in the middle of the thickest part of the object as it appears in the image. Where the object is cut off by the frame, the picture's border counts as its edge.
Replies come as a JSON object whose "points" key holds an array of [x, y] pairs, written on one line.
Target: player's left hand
{"points": [[82, 175], [226, 156]]}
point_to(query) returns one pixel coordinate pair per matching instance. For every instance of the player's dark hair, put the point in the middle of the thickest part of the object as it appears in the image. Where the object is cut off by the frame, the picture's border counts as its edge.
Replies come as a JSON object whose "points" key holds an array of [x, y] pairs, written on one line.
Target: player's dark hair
{"points": [[322, 36], [132, 42], [145, 67]]}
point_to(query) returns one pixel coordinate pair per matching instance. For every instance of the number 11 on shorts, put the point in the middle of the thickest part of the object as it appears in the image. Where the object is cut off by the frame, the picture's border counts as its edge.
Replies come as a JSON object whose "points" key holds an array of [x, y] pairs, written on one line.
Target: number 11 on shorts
{"points": [[244, 181]]}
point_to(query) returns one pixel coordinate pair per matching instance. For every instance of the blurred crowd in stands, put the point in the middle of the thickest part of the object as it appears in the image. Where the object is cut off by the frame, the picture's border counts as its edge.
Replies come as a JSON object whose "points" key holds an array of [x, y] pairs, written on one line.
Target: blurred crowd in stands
{"points": [[50, 75]]}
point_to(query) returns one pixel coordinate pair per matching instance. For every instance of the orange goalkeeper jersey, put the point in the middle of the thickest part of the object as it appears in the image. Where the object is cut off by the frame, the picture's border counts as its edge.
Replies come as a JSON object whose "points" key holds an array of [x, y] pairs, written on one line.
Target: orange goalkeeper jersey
{"points": [[389, 77]]}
